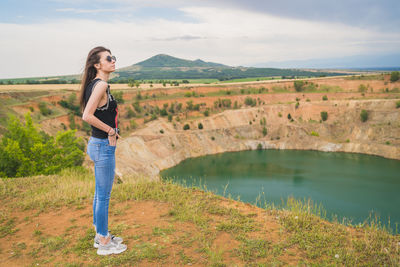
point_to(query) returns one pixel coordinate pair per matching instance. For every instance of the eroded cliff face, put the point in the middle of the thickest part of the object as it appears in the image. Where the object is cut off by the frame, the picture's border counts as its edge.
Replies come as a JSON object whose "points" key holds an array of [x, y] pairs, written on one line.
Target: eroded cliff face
{"points": [[147, 150]]}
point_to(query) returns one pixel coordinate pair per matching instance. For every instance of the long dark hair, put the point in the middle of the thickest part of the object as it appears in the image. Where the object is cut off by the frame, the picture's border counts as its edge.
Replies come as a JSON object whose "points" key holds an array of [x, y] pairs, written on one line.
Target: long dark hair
{"points": [[90, 71]]}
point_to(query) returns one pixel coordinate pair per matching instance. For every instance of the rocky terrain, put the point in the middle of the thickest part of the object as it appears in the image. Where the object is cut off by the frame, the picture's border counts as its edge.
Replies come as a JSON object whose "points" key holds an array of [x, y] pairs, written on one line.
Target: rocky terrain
{"points": [[148, 151]]}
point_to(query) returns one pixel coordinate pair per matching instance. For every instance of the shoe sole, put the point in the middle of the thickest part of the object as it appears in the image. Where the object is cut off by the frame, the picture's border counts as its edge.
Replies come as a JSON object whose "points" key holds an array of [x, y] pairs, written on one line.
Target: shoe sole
{"points": [[96, 245], [109, 252]]}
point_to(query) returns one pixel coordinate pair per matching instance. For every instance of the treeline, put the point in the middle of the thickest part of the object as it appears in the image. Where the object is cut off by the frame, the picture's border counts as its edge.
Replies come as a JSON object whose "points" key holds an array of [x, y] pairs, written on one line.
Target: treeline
{"points": [[32, 81], [222, 74], [217, 73]]}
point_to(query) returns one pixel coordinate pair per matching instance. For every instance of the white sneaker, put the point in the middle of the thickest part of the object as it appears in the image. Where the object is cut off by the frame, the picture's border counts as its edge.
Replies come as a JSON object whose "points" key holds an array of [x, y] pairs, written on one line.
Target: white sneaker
{"points": [[114, 239], [111, 248]]}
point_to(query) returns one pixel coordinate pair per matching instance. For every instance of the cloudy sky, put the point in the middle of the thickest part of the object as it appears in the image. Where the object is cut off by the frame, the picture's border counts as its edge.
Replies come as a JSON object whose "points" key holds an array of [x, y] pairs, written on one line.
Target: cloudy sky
{"points": [[53, 37]]}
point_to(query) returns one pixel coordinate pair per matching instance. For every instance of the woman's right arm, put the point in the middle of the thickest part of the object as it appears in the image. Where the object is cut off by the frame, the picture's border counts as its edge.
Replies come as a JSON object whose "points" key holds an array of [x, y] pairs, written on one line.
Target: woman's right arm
{"points": [[88, 114]]}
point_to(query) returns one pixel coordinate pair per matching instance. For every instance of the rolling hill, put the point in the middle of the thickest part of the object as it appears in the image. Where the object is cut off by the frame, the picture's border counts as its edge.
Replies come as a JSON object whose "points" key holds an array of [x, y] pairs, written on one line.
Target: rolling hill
{"points": [[167, 67]]}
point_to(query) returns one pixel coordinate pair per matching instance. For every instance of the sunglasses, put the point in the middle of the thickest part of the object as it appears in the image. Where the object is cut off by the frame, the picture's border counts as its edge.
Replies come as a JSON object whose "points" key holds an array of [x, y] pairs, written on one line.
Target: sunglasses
{"points": [[111, 58]]}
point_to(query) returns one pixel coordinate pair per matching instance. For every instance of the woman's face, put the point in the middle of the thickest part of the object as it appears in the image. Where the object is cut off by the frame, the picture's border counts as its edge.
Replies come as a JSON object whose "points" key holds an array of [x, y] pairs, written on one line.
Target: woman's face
{"points": [[105, 65]]}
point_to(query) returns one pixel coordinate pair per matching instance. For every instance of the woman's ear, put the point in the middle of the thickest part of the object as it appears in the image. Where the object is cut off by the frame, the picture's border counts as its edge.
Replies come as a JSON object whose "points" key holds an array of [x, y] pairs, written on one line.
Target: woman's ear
{"points": [[97, 66]]}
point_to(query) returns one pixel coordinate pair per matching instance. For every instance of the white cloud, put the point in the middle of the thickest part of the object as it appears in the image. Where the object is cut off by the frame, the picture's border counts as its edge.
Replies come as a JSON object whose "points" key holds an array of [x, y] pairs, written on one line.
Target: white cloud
{"points": [[228, 36]]}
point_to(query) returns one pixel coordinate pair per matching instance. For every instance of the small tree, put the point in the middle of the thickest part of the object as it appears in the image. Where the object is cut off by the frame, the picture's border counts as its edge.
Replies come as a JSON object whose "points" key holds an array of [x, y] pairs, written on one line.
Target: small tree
{"points": [[394, 76], [364, 115], [298, 86], [200, 126], [44, 110], [325, 98], [324, 115], [186, 127], [265, 131], [163, 112]]}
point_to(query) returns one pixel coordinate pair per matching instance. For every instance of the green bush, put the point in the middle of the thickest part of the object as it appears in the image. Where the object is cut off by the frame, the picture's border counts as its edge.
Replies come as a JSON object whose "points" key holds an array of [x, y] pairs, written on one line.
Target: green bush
{"points": [[325, 98], [398, 104], [265, 131], [206, 113], [250, 101], [362, 88], [44, 110], [226, 103], [200, 125], [24, 151], [186, 127], [364, 115], [163, 112], [72, 124], [118, 95], [394, 76], [130, 113], [314, 133], [324, 115], [298, 86]]}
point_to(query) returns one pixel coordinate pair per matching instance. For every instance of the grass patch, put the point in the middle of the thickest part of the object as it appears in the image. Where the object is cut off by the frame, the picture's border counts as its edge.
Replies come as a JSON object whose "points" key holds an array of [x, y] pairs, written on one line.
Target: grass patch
{"points": [[237, 223], [251, 249], [70, 187], [332, 243], [8, 227]]}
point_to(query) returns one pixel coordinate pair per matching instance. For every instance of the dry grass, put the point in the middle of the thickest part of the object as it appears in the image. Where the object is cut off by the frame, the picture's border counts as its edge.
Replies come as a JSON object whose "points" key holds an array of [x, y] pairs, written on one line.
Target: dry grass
{"points": [[46, 220]]}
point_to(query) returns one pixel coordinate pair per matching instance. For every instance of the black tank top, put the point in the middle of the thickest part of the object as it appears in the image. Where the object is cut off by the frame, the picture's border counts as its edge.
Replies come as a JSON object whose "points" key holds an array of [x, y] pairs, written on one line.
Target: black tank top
{"points": [[107, 113]]}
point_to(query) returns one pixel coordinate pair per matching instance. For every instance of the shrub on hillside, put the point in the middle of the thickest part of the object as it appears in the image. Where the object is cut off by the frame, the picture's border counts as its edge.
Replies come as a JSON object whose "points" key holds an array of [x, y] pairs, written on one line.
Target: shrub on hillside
{"points": [[250, 101], [325, 98], [398, 104], [364, 115], [186, 127], [265, 131], [324, 115], [44, 110], [200, 125], [394, 76], [298, 86], [24, 151]]}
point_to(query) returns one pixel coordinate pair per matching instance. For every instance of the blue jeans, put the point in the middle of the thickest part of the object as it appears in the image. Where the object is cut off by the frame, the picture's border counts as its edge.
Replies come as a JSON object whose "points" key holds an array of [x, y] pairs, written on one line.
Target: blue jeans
{"points": [[103, 156]]}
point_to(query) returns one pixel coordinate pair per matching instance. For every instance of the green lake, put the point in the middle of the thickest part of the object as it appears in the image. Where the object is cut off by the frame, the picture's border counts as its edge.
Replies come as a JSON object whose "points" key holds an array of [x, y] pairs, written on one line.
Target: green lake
{"points": [[348, 185]]}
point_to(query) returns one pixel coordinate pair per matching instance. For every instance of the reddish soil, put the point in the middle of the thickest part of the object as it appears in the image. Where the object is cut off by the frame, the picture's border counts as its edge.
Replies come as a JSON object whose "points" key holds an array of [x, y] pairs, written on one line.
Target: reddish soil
{"points": [[141, 218]]}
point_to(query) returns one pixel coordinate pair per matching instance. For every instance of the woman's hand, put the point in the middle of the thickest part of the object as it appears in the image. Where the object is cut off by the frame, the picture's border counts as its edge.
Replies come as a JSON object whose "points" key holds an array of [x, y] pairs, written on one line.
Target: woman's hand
{"points": [[112, 137]]}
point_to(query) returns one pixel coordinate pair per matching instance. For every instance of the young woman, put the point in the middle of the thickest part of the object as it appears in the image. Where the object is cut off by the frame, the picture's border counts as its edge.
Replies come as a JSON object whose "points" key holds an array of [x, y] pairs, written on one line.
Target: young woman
{"points": [[100, 111]]}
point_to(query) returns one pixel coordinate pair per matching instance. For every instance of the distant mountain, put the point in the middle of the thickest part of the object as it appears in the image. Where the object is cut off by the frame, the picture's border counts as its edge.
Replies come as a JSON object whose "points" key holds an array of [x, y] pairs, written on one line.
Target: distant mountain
{"points": [[162, 60], [164, 67]]}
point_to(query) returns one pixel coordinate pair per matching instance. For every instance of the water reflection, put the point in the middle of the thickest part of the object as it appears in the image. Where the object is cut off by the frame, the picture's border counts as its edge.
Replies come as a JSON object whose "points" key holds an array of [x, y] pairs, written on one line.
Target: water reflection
{"points": [[347, 184]]}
